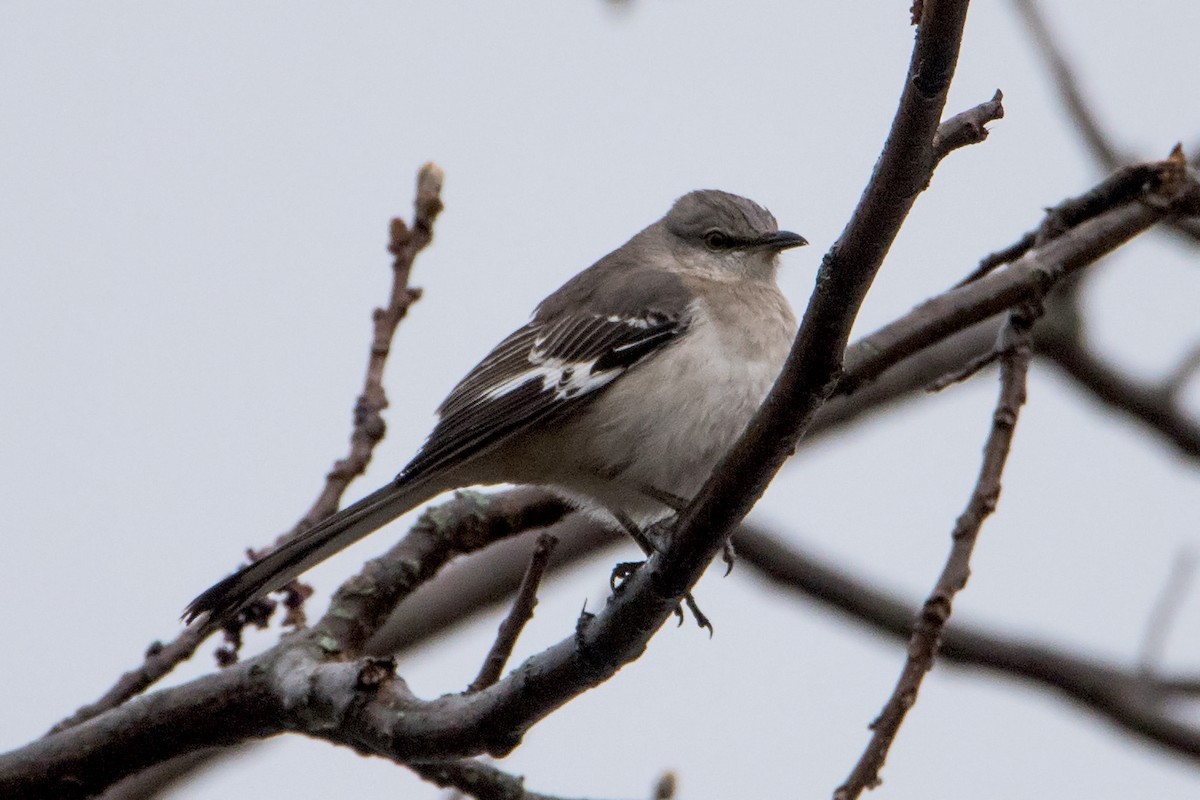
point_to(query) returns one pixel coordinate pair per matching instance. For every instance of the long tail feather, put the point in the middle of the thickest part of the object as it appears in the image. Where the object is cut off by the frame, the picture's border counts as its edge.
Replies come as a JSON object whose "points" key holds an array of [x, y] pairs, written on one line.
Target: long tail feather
{"points": [[331, 535]]}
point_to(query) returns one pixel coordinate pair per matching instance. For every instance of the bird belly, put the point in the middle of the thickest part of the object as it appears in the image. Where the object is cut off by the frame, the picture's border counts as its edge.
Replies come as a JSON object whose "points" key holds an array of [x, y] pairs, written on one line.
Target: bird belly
{"points": [[671, 422]]}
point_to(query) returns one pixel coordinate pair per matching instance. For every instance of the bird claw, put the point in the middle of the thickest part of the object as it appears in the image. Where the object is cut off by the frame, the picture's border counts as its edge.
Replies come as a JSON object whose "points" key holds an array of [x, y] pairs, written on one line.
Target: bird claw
{"points": [[701, 620], [728, 555]]}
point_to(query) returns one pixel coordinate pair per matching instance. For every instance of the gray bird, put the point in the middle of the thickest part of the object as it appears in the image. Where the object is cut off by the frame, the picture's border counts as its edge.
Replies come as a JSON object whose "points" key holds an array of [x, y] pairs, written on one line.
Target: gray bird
{"points": [[622, 393]]}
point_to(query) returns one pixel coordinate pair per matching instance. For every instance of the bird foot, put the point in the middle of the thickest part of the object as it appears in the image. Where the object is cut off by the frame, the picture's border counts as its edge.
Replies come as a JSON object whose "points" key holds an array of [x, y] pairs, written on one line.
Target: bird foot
{"points": [[728, 555]]}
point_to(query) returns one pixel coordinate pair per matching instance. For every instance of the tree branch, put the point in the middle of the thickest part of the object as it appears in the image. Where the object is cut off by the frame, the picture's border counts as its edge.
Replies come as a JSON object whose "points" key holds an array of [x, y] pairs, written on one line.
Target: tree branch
{"points": [[1121, 695], [466, 523], [478, 780], [1157, 411], [1084, 119], [521, 613], [935, 613], [815, 363], [967, 127]]}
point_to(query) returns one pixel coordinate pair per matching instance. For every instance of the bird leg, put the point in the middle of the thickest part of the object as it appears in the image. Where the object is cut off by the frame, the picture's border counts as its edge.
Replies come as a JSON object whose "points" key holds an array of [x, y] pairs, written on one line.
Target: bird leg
{"points": [[626, 568], [678, 504], [728, 555], [668, 499]]}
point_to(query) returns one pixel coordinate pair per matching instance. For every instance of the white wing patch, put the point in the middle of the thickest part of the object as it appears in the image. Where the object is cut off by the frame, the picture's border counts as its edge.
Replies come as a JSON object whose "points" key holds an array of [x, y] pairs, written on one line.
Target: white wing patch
{"points": [[538, 372], [566, 379]]}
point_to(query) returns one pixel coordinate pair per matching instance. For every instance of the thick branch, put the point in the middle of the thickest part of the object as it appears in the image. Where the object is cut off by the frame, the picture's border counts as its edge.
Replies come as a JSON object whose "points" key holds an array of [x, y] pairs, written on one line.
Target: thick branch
{"points": [[468, 522], [815, 362]]}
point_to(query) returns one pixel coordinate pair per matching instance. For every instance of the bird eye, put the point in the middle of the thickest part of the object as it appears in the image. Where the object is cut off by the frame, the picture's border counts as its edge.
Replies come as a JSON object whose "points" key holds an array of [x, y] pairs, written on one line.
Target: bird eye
{"points": [[715, 240]]}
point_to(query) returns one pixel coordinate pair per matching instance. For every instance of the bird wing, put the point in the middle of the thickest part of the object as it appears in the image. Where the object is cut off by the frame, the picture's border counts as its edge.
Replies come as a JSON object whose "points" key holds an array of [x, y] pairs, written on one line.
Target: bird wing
{"points": [[545, 369]]}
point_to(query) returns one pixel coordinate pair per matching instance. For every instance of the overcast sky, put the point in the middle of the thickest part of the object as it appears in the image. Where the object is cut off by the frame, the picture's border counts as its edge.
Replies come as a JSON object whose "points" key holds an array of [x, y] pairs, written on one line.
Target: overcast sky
{"points": [[195, 207]]}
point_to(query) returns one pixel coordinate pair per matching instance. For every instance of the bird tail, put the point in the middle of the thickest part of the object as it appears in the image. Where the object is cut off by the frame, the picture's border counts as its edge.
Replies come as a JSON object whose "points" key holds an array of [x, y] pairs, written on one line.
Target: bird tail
{"points": [[331, 535]]}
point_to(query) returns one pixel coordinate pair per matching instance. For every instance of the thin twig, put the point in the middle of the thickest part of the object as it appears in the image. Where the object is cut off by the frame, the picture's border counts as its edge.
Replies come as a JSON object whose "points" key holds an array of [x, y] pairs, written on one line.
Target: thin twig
{"points": [[521, 613], [476, 779], [466, 523], [965, 372], [927, 631], [369, 426], [404, 244], [1084, 119], [1081, 113], [1000, 258], [161, 659], [1166, 609], [967, 127]]}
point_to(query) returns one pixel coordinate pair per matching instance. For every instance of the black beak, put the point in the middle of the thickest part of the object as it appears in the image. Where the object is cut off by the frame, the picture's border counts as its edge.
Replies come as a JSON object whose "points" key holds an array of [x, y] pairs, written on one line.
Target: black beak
{"points": [[782, 240]]}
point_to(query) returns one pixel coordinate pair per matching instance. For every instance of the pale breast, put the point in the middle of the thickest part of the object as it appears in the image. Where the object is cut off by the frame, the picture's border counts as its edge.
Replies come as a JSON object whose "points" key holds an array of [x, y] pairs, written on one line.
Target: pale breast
{"points": [[695, 398]]}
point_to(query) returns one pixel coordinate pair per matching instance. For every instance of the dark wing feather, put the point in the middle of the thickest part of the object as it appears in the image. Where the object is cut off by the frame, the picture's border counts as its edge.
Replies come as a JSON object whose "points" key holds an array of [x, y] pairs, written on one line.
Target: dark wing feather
{"points": [[543, 370]]}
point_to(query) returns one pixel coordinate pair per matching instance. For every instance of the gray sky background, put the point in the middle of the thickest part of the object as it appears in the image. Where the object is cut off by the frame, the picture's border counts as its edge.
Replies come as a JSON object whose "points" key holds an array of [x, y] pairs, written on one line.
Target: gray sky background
{"points": [[195, 205]]}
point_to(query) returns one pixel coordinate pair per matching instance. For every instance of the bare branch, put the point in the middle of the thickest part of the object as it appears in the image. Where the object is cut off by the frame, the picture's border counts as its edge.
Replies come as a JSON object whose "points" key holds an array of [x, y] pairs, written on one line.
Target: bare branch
{"points": [[935, 613], [1081, 113], [1119, 694], [468, 522], [847, 271], [968, 127], [478, 780], [1084, 119], [369, 426], [521, 613], [1145, 404], [1158, 627], [368, 430]]}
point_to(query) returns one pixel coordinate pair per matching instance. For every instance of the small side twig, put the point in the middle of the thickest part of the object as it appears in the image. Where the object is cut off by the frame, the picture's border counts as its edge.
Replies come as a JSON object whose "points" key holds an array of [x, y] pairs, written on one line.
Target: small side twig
{"points": [[473, 778], [1084, 119], [160, 658], [404, 244], [1166, 608], [967, 127], [935, 612], [1173, 385], [965, 372], [369, 427], [1068, 87], [1000, 258], [521, 613]]}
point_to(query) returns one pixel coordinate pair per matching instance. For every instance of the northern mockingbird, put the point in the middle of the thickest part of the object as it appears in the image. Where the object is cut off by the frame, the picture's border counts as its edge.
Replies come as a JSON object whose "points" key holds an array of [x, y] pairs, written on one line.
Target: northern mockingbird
{"points": [[622, 393]]}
